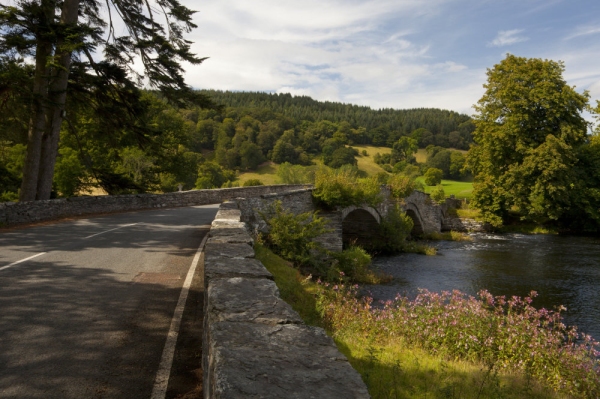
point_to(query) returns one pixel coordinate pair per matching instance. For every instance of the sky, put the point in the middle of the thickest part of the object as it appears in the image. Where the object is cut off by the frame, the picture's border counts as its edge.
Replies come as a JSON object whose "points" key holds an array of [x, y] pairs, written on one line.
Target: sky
{"points": [[388, 53]]}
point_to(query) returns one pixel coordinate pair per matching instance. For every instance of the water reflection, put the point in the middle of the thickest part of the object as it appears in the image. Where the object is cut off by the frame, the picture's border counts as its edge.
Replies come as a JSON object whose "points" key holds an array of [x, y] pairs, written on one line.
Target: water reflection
{"points": [[563, 270]]}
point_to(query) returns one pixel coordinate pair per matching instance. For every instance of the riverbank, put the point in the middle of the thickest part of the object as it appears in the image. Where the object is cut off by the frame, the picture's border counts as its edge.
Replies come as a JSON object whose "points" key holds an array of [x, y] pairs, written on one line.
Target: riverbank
{"points": [[391, 365]]}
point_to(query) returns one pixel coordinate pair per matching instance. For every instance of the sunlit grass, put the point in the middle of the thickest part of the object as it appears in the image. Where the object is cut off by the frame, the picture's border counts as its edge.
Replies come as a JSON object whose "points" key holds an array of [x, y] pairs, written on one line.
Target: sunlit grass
{"points": [[460, 189], [367, 162], [528, 228], [448, 236], [266, 173]]}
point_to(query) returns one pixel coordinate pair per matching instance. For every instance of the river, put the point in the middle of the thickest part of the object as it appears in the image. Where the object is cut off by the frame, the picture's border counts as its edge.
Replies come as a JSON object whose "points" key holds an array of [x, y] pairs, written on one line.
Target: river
{"points": [[564, 270]]}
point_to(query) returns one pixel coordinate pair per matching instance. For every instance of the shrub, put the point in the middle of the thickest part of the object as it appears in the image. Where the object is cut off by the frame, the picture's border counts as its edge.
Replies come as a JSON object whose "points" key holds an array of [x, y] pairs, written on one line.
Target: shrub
{"points": [[342, 188], [293, 236], [438, 194], [433, 176], [355, 263], [402, 185], [394, 229], [295, 174], [253, 182]]}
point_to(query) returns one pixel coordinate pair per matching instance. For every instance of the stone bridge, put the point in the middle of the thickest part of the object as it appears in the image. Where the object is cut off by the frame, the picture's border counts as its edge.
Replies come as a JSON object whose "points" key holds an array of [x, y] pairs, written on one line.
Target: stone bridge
{"points": [[357, 224]]}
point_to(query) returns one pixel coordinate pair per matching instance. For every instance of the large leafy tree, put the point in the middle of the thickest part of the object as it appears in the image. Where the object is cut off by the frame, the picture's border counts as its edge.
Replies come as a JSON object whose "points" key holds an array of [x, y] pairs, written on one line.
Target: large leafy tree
{"points": [[64, 38], [528, 129]]}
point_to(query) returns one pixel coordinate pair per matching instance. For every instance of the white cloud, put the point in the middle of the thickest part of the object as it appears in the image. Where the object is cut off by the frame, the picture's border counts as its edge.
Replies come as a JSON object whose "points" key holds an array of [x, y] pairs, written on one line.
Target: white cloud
{"points": [[583, 31], [507, 37], [380, 53]]}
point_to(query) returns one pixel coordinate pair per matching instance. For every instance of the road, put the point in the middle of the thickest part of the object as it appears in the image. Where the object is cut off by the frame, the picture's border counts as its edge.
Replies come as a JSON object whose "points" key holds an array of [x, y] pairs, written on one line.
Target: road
{"points": [[86, 304]]}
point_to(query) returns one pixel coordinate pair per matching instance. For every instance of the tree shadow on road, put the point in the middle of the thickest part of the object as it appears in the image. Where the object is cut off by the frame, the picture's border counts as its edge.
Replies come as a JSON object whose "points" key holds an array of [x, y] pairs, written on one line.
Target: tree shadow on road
{"points": [[71, 332]]}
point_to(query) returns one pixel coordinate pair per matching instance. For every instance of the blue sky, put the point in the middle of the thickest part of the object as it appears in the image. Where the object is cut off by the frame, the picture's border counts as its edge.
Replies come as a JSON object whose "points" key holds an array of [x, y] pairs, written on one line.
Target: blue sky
{"points": [[388, 54]]}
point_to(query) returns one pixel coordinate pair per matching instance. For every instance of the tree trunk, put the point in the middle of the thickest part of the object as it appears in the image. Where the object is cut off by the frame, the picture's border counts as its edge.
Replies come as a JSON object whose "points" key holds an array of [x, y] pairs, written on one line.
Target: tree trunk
{"points": [[57, 97], [37, 122]]}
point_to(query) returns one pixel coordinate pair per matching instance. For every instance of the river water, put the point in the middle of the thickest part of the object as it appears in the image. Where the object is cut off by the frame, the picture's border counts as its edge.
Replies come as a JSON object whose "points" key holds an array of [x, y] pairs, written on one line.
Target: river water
{"points": [[563, 270]]}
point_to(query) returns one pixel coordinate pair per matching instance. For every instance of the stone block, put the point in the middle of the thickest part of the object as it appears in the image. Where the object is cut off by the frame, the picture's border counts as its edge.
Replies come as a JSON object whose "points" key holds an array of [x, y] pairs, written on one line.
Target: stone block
{"points": [[227, 230], [233, 250], [248, 300], [229, 205], [223, 267], [238, 238], [228, 214], [250, 360]]}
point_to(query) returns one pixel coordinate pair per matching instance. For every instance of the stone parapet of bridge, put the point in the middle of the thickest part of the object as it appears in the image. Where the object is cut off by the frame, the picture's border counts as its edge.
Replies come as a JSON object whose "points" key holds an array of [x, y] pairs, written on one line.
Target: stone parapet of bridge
{"points": [[14, 213], [255, 345]]}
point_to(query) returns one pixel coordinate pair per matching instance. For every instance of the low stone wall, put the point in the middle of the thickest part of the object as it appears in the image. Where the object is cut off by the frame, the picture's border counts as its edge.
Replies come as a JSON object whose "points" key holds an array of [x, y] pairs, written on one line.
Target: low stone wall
{"points": [[13, 213], [296, 201], [255, 345]]}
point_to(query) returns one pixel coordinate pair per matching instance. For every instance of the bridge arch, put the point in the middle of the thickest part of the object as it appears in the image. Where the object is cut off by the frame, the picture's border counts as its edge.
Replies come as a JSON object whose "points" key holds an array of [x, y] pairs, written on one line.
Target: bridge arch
{"points": [[413, 212], [360, 225]]}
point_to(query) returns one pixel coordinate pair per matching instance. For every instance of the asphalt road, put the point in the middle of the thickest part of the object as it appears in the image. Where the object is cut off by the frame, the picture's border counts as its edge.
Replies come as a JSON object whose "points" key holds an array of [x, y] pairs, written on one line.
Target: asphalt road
{"points": [[88, 316]]}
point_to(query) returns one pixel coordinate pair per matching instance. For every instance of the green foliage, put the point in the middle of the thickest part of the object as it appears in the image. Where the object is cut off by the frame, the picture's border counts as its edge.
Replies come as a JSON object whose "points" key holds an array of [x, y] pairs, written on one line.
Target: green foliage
{"points": [[342, 188], [293, 236], [433, 176], [401, 185], [211, 175], [529, 126], [253, 182], [324, 119], [69, 172], [403, 150], [438, 194], [11, 166], [354, 264], [295, 174], [342, 156], [394, 229]]}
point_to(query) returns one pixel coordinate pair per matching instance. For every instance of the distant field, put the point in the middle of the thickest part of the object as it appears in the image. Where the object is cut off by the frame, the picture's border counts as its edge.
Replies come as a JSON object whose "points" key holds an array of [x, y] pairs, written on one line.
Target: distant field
{"points": [[421, 155], [266, 173], [460, 189], [367, 163]]}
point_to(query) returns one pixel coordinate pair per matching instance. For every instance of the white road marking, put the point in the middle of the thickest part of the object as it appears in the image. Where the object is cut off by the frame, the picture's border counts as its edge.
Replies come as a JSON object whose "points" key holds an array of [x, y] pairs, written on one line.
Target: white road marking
{"points": [[164, 369], [22, 260], [116, 228]]}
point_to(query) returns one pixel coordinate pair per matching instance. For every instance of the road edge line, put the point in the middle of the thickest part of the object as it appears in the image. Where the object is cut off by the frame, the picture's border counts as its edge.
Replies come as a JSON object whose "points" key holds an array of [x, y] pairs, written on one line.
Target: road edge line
{"points": [[22, 260], [161, 382]]}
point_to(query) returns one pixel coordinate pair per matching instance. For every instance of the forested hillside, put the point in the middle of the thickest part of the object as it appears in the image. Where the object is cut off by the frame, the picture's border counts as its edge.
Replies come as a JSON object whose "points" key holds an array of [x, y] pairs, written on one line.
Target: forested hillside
{"points": [[383, 126], [145, 143]]}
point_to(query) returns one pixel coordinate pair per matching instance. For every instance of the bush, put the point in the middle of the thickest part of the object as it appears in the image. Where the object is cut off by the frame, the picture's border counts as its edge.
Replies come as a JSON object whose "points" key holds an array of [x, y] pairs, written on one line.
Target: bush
{"points": [[433, 176], [295, 174], [402, 185], [394, 229], [343, 188], [253, 182], [355, 263], [293, 236], [438, 194], [212, 175]]}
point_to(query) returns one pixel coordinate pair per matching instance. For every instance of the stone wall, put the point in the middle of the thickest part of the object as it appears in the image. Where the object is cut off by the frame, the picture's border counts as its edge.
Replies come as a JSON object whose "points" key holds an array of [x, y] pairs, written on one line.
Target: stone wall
{"points": [[255, 345], [297, 201], [13, 213]]}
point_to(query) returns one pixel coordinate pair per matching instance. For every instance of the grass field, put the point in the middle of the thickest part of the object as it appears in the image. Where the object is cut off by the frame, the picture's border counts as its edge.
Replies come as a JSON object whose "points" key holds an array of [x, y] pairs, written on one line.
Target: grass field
{"points": [[266, 173], [460, 189], [367, 163]]}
